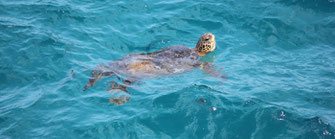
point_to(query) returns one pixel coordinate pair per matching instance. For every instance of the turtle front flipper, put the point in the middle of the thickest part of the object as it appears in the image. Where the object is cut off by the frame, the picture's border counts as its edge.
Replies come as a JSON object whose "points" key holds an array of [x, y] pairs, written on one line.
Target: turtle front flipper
{"points": [[210, 69]]}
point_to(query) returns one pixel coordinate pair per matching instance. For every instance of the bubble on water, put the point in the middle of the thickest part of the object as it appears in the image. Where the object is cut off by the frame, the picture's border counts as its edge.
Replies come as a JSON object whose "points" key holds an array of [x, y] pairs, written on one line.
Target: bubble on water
{"points": [[326, 133], [272, 40], [213, 108], [282, 115]]}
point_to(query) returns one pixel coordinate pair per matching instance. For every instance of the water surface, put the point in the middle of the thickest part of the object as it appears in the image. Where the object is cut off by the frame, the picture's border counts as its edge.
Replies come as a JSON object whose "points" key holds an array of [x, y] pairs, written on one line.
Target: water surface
{"points": [[279, 58]]}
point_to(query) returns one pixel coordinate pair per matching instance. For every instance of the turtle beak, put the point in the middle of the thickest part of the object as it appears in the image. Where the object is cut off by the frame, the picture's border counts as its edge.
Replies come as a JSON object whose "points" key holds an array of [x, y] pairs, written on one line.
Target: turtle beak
{"points": [[213, 43]]}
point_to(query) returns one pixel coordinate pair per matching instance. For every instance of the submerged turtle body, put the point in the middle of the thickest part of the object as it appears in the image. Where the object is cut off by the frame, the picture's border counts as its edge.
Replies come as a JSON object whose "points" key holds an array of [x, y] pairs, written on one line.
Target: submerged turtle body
{"points": [[171, 60]]}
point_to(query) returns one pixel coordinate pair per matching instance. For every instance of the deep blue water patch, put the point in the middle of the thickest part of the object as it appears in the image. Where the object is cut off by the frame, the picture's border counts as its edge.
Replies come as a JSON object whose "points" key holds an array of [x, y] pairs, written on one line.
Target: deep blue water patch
{"points": [[278, 57]]}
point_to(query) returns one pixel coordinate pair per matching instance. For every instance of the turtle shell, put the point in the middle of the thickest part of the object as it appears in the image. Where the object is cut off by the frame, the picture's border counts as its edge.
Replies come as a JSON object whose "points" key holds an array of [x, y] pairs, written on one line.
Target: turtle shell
{"points": [[170, 60]]}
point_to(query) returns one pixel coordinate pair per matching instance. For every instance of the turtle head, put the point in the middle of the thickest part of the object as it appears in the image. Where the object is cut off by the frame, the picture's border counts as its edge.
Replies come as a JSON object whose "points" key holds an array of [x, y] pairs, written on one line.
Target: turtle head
{"points": [[205, 44]]}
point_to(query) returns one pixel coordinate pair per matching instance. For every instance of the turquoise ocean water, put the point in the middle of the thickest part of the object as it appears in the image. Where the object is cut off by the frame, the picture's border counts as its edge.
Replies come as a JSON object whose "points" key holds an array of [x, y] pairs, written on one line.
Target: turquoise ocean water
{"points": [[278, 57]]}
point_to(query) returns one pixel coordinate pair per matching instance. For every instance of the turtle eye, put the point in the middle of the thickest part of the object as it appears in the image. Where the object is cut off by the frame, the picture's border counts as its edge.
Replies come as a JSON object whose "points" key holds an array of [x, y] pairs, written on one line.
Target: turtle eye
{"points": [[207, 38]]}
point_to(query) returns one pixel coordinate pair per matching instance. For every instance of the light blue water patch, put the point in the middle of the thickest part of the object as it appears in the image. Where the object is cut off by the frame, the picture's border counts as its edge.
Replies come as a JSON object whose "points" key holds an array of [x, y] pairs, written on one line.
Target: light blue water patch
{"points": [[278, 57]]}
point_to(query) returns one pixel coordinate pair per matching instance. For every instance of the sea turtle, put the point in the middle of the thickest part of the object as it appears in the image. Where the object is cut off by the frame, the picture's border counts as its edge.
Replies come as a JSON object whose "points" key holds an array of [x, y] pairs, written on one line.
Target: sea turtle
{"points": [[167, 61]]}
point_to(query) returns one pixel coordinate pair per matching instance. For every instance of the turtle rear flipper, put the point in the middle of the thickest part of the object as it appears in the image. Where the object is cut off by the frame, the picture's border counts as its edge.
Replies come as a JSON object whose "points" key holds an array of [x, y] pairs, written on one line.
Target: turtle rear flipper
{"points": [[98, 75], [116, 86], [119, 100]]}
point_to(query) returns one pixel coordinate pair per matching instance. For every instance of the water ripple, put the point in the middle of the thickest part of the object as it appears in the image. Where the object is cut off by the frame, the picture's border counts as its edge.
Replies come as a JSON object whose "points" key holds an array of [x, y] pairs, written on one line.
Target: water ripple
{"points": [[278, 58]]}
